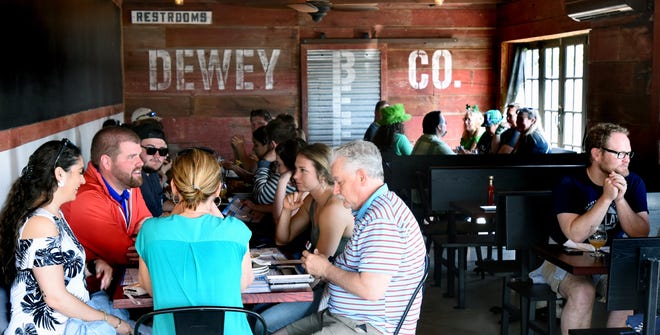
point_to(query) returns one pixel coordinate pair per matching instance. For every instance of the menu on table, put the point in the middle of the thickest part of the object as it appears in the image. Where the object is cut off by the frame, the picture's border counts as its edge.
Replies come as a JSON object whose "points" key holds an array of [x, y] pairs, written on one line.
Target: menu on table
{"points": [[242, 212], [273, 272]]}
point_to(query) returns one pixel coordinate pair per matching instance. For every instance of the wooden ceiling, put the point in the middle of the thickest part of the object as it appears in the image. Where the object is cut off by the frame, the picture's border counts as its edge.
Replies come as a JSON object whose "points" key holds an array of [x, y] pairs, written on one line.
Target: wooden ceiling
{"points": [[384, 3], [347, 4]]}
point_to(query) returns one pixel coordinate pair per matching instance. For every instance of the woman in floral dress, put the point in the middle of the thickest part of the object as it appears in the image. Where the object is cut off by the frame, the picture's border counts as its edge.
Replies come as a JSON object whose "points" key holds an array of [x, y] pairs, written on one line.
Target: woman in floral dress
{"points": [[40, 255]]}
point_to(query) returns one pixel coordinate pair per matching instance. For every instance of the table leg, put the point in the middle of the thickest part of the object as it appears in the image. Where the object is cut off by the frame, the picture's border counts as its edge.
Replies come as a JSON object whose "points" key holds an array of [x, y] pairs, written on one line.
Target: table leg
{"points": [[462, 263], [451, 271], [451, 253]]}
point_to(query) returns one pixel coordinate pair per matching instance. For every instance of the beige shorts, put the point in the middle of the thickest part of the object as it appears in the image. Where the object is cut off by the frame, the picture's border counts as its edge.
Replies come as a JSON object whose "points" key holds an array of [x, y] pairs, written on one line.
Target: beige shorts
{"points": [[554, 275], [328, 324]]}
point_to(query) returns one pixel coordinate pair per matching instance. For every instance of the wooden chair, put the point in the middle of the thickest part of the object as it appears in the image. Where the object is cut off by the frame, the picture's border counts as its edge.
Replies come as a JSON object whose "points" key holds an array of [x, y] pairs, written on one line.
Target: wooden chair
{"points": [[524, 218], [200, 320]]}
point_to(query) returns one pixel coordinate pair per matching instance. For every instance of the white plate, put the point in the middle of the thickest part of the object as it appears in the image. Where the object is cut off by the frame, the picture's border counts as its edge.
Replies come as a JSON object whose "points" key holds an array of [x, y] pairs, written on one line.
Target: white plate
{"points": [[260, 262], [260, 270]]}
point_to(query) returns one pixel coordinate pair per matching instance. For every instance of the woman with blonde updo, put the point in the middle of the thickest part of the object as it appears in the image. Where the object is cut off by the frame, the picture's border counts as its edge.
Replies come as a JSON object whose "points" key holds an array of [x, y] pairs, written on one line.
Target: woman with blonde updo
{"points": [[195, 257]]}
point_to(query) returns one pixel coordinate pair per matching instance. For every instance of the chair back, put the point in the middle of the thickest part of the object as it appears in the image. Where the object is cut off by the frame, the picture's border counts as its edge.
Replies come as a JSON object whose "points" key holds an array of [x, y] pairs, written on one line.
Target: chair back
{"points": [[202, 320], [653, 202], [412, 298], [524, 218]]}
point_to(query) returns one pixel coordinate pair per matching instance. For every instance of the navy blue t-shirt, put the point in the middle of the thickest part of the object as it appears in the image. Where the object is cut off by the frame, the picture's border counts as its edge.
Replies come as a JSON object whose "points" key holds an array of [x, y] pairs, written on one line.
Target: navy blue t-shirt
{"points": [[577, 194]]}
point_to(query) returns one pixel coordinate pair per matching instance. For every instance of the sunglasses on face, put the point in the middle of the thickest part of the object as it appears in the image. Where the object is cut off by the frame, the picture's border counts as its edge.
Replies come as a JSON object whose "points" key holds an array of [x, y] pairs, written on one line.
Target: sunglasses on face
{"points": [[152, 151]]}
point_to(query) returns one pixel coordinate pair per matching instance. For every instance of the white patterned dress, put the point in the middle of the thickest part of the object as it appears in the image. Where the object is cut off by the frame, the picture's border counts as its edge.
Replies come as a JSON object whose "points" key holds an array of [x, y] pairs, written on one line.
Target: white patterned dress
{"points": [[29, 312]]}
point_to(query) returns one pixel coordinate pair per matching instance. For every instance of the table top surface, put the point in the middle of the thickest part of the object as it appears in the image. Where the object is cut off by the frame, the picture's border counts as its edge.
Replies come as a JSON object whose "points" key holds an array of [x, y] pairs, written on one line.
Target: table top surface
{"points": [[145, 301], [473, 209], [120, 300], [579, 265]]}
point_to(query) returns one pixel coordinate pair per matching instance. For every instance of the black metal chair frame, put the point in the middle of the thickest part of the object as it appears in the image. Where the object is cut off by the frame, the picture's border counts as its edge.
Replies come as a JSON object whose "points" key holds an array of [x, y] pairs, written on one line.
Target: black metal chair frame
{"points": [[414, 295], [199, 309]]}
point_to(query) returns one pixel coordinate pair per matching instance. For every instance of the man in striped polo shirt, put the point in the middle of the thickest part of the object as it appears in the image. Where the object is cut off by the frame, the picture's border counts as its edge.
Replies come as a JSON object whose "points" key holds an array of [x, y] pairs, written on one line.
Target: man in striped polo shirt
{"points": [[371, 283]]}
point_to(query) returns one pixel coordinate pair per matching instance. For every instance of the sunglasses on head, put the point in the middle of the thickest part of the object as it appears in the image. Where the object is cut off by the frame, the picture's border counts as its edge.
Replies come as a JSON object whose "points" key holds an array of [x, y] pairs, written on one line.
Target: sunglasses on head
{"points": [[152, 151], [64, 142], [145, 115]]}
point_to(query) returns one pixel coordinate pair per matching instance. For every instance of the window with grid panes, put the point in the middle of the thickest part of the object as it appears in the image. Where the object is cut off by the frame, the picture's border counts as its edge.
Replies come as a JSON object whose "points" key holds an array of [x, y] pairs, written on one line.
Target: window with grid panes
{"points": [[554, 84]]}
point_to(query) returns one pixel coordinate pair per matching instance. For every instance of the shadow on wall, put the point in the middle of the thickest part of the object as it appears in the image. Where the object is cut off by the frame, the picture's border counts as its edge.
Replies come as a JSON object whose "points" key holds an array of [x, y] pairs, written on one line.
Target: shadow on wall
{"points": [[13, 160]]}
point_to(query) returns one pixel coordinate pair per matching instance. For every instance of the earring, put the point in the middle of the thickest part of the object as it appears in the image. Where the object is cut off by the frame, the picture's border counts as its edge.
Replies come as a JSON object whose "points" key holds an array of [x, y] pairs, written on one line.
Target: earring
{"points": [[60, 183]]}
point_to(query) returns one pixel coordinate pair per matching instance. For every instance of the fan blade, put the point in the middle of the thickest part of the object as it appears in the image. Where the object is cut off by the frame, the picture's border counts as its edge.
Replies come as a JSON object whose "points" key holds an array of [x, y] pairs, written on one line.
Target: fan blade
{"points": [[303, 7]]}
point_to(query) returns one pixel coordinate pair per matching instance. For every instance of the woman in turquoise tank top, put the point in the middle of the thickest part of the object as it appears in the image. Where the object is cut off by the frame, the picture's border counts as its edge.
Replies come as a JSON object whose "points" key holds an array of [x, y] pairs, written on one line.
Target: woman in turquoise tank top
{"points": [[331, 223], [195, 257]]}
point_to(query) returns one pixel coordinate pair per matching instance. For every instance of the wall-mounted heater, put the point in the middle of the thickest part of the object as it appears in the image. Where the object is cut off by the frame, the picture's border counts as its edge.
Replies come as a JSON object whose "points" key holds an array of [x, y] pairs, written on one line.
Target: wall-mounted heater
{"points": [[583, 10]]}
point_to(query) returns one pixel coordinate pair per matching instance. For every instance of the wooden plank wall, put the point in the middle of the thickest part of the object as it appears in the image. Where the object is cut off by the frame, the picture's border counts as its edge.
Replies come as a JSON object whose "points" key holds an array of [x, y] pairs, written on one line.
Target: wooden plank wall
{"points": [[210, 117]]}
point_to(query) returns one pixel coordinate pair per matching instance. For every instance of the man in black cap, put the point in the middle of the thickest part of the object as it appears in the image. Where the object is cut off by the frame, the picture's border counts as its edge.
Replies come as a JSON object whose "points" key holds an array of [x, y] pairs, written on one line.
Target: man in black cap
{"points": [[153, 155]]}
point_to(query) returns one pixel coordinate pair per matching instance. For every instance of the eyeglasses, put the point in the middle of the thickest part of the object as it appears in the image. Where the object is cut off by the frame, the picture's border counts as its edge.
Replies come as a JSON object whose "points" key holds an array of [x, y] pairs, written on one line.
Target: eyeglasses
{"points": [[620, 154], [64, 142], [152, 151]]}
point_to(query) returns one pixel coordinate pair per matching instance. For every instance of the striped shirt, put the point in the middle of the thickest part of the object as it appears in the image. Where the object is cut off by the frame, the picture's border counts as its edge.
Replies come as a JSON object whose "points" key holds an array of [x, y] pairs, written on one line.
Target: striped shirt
{"points": [[386, 239], [265, 184]]}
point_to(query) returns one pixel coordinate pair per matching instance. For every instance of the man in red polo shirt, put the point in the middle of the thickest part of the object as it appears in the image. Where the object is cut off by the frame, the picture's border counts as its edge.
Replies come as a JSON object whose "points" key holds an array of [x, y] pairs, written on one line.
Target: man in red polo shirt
{"points": [[109, 208]]}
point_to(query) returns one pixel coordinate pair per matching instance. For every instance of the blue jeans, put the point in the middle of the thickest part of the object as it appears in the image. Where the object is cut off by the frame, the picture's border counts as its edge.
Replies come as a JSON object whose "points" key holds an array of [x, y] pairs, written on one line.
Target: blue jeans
{"points": [[280, 315], [4, 312], [98, 300]]}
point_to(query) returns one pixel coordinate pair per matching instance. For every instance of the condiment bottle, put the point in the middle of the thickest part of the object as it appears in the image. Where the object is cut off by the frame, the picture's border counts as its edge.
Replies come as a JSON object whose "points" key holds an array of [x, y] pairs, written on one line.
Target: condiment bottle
{"points": [[491, 192]]}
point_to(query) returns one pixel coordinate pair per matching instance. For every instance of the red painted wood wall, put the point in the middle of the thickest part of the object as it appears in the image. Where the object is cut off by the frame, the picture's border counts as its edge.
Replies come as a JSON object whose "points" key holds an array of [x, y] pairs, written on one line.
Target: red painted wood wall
{"points": [[621, 85], [210, 117]]}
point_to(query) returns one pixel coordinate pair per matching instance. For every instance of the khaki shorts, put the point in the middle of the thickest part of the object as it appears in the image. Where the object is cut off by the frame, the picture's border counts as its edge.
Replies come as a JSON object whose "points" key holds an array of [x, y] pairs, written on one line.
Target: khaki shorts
{"points": [[328, 324], [553, 276]]}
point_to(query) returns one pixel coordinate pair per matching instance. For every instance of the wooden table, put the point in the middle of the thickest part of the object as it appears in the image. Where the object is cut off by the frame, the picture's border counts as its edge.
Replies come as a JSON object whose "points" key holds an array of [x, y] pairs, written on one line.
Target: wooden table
{"points": [[579, 265], [273, 255], [122, 301]]}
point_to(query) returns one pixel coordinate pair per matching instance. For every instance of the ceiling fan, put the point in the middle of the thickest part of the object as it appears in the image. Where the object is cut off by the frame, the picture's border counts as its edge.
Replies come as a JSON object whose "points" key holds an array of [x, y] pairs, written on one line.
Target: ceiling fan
{"points": [[317, 9]]}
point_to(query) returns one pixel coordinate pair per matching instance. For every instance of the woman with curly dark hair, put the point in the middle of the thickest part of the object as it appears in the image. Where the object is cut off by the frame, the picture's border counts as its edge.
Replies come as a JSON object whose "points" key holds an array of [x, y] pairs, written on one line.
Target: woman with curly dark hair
{"points": [[40, 256]]}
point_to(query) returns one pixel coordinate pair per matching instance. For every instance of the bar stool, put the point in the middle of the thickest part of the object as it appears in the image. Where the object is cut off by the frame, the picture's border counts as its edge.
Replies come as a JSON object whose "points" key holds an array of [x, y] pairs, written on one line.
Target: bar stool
{"points": [[529, 294]]}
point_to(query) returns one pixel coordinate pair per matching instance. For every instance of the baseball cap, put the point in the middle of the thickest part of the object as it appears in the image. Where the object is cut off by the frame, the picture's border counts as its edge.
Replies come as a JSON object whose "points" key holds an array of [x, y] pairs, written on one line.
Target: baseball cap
{"points": [[149, 130], [144, 113], [492, 117]]}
